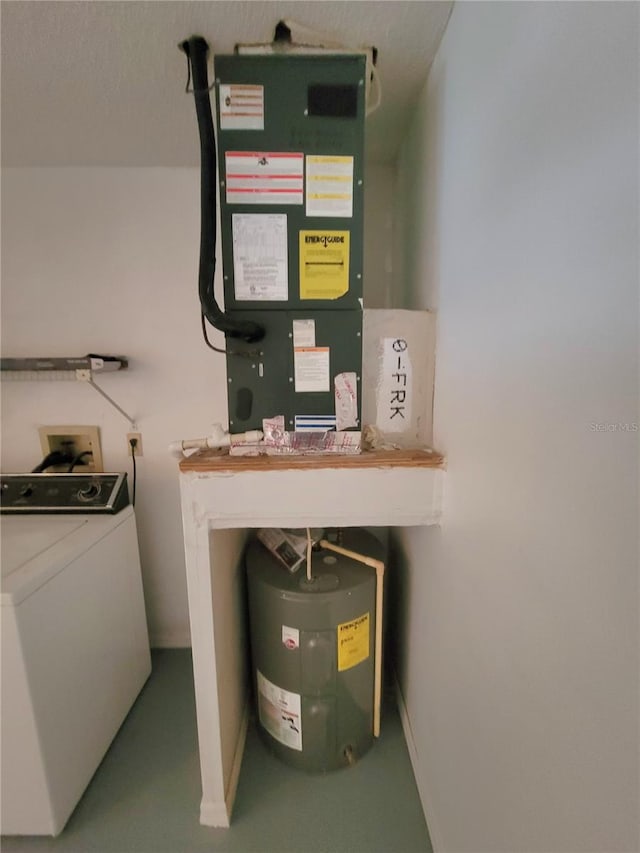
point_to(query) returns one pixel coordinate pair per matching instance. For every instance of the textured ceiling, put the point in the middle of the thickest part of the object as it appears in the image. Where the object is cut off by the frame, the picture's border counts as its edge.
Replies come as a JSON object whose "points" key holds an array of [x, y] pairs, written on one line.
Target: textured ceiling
{"points": [[102, 83]]}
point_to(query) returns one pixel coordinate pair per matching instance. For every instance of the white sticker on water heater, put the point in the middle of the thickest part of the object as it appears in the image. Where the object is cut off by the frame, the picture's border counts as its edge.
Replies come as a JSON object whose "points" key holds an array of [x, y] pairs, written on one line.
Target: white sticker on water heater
{"points": [[290, 637], [279, 712]]}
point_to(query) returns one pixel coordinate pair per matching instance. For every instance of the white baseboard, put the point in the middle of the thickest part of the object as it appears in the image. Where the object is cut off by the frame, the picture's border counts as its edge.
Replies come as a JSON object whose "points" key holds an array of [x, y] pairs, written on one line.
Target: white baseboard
{"points": [[232, 787], [214, 814], [219, 814], [418, 772]]}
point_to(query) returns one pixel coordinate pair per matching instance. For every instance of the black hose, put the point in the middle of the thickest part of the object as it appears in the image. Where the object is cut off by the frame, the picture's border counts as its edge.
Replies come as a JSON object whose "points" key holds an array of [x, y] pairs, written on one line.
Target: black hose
{"points": [[196, 49], [56, 457]]}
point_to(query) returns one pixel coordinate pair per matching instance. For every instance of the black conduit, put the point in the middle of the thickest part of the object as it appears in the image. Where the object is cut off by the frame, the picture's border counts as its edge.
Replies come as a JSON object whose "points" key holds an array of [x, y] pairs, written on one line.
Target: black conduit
{"points": [[196, 49]]}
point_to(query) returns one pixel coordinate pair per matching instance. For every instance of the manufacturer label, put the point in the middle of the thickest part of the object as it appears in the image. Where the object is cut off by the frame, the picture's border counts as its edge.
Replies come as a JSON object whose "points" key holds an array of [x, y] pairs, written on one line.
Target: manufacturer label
{"points": [[353, 642], [279, 712], [324, 264], [260, 269]]}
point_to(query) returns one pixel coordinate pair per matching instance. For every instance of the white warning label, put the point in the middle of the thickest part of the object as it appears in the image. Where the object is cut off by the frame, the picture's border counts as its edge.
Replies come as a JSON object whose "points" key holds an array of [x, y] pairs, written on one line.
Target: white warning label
{"points": [[241, 107], [329, 186], [279, 712], [264, 177]]}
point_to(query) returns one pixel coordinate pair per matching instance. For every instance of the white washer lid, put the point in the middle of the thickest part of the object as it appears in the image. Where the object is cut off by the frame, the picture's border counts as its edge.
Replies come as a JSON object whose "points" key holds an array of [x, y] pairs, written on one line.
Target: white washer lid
{"points": [[35, 548], [25, 538]]}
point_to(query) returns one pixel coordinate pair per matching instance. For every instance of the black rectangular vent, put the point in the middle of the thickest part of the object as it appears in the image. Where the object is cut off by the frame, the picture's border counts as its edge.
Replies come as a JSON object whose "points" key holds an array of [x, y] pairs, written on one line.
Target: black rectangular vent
{"points": [[332, 100]]}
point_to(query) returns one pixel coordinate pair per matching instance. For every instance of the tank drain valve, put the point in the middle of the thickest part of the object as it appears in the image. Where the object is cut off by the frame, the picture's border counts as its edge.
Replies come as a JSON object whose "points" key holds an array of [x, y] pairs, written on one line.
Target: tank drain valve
{"points": [[349, 755]]}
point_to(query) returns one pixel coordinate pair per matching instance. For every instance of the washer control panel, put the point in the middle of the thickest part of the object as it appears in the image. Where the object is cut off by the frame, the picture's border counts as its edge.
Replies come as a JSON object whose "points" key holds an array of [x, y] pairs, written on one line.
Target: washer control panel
{"points": [[63, 493]]}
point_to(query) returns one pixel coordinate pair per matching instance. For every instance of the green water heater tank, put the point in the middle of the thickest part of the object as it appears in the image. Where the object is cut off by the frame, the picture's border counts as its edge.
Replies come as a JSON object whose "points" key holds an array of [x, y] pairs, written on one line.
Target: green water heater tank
{"points": [[313, 653]]}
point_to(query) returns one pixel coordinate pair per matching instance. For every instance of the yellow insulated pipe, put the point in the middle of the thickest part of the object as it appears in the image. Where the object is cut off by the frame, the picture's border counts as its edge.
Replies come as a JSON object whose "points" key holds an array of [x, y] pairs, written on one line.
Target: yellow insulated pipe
{"points": [[378, 565]]}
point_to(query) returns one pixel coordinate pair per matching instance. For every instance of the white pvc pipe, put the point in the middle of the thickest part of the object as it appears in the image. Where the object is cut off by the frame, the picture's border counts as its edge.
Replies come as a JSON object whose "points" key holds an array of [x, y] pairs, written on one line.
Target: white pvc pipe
{"points": [[218, 438], [378, 565]]}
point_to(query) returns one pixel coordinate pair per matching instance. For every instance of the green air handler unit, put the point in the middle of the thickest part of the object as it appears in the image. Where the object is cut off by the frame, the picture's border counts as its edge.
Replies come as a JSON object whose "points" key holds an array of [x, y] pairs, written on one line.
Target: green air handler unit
{"points": [[313, 650], [290, 132]]}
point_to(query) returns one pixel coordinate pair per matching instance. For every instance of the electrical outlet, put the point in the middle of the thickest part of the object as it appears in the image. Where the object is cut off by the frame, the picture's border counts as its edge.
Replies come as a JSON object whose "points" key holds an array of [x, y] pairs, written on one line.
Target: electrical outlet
{"points": [[76, 442], [138, 437]]}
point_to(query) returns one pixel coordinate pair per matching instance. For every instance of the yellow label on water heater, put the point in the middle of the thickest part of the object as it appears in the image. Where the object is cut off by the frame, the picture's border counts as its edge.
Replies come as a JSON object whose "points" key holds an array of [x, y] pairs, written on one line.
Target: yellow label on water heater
{"points": [[353, 642]]}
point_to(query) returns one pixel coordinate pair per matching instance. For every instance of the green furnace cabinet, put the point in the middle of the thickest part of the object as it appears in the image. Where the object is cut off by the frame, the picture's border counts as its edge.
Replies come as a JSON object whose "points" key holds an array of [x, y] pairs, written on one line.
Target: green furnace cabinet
{"points": [[290, 131]]}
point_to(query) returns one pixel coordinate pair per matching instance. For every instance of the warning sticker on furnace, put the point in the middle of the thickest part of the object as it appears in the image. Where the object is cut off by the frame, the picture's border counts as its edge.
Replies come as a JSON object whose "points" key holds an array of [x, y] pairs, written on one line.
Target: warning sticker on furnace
{"points": [[353, 642], [241, 107], [329, 186], [279, 712], [324, 264]]}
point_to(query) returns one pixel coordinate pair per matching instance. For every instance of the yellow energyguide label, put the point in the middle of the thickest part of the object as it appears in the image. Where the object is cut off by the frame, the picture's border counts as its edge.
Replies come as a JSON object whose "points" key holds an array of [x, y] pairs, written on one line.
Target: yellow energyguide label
{"points": [[353, 642], [324, 264]]}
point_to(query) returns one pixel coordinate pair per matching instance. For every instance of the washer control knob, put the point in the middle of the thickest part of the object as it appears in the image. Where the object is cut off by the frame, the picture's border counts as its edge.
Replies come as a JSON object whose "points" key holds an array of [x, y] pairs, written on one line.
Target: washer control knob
{"points": [[26, 491], [89, 493]]}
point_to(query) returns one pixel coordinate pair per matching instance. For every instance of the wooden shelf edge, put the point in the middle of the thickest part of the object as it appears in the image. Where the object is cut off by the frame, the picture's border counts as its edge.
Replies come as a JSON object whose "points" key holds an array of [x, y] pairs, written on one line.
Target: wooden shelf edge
{"points": [[220, 460]]}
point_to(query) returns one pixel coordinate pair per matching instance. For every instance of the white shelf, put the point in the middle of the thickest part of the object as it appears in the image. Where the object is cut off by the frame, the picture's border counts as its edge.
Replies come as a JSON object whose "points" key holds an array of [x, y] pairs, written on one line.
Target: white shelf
{"points": [[223, 497]]}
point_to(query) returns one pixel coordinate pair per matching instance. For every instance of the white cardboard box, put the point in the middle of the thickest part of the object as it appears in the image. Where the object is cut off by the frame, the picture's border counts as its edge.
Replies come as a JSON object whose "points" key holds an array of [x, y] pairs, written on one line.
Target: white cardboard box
{"points": [[398, 364]]}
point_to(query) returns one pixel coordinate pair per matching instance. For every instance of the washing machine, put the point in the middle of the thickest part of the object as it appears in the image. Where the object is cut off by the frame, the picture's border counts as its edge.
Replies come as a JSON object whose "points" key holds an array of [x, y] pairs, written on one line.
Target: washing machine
{"points": [[75, 647]]}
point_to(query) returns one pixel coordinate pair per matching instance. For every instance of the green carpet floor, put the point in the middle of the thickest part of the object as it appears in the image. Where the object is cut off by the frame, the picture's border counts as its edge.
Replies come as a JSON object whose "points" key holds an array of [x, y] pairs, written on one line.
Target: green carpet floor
{"points": [[145, 796]]}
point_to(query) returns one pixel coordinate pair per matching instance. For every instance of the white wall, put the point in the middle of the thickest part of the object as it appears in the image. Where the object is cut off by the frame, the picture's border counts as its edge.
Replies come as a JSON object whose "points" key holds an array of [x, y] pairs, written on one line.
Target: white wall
{"points": [[106, 260], [518, 220]]}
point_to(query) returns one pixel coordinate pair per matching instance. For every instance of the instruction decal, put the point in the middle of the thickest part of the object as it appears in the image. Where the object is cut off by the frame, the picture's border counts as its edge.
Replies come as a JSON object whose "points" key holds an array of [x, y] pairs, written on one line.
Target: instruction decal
{"points": [[279, 712], [304, 333], [324, 264], [260, 264], [353, 642], [241, 107], [311, 369], [329, 186], [264, 177]]}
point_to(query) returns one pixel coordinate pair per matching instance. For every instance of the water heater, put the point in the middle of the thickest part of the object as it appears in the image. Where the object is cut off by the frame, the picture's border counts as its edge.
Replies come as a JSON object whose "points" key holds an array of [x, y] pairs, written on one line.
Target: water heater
{"points": [[313, 653]]}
